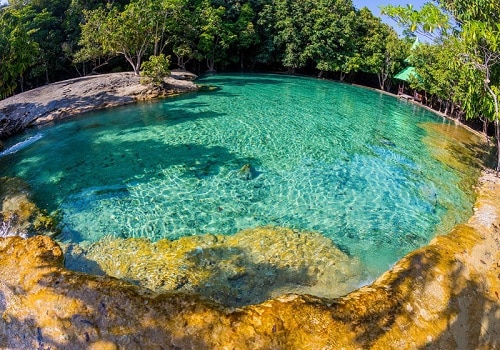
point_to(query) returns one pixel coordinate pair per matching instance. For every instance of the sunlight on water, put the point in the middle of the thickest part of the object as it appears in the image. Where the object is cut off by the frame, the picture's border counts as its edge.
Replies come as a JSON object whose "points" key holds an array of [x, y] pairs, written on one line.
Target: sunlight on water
{"points": [[262, 150]]}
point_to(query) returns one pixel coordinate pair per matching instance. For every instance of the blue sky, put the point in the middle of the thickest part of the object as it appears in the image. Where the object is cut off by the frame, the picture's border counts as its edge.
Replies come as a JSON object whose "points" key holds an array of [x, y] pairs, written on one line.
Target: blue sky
{"points": [[374, 6]]}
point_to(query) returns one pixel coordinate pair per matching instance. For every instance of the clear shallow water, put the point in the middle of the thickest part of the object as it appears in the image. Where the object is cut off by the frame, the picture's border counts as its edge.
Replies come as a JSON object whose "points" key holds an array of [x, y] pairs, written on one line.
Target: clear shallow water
{"points": [[347, 162]]}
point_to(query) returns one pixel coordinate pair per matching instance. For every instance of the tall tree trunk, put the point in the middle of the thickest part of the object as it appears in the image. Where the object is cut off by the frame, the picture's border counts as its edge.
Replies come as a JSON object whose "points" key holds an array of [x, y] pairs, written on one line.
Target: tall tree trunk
{"points": [[180, 62], [210, 64], [497, 116], [497, 136], [137, 69], [47, 82], [485, 125]]}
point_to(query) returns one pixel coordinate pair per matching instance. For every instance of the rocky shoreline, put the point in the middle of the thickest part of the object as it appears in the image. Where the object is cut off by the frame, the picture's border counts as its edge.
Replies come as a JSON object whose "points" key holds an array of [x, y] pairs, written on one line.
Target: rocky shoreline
{"points": [[75, 96], [443, 296]]}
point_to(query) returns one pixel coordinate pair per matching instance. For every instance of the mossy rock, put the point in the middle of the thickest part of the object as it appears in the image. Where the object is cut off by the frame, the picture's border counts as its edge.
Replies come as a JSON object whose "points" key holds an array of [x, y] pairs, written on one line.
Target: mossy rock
{"points": [[19, 215], [208, 88]]}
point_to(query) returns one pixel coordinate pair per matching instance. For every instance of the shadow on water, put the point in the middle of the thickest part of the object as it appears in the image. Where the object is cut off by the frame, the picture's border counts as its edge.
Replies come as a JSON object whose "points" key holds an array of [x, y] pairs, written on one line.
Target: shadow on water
{"points": [[233, 278], [114, 153], [158, 112], [16, 117], [247, 81]]}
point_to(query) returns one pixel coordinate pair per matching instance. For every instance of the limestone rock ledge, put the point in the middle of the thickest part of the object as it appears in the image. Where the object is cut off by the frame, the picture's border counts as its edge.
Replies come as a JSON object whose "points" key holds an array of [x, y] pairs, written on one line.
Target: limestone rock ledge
{"points": [[70, 97], [442, 296]]}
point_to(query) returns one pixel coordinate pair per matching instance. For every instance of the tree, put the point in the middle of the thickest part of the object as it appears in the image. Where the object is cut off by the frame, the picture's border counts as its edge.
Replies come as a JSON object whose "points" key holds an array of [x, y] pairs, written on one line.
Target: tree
{"points": [[479, 32], [430, 21], [184, 33], [266, 52], [245, 31], [156, 69], [292, 31], [47, 19], [91, 40], [18, 49], [129, 33], [439, 70], [396, 51], [379, 49], [482, 40], [332, 32], [216, 34], [49, 35]]}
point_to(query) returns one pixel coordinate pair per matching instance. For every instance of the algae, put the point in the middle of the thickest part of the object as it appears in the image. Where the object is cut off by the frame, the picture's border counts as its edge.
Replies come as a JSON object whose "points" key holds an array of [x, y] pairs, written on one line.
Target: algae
{"points": [[19, 215]]}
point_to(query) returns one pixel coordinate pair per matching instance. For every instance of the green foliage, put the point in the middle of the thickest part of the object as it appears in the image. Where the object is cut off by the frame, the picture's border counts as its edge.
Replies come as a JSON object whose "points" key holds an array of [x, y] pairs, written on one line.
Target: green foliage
{"points": [[473, 10], [333, 36], [378, 48], [438, 68], [322, 34], [292, 31], [327, 35], [156, 69], [129, 33], [216, 34], [18, 49], [429, 19], [474, 81]]}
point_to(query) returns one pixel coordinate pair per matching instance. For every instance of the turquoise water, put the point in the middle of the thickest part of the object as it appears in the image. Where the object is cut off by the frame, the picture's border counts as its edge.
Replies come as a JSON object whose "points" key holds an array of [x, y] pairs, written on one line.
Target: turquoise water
{"points": [[344, 161]]}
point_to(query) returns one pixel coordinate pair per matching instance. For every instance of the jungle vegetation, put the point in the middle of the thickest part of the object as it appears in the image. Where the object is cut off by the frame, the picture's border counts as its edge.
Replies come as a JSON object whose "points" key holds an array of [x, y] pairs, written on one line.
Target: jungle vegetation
{"points": [[461, 67], [43, 41]]}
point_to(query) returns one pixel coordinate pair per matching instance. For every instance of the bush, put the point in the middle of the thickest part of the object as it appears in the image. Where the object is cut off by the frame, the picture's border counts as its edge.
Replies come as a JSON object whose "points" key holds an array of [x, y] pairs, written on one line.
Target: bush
{"points": [[155, 69]]}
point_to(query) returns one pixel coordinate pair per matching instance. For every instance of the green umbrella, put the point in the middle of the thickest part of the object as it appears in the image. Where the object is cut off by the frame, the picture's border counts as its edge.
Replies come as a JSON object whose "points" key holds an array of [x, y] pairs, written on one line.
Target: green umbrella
{"points": [[407, 73]]}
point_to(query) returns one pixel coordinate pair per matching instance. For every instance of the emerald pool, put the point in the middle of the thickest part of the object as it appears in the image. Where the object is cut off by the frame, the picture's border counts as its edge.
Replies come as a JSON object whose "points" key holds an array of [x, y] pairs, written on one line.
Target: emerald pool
{"points": [[258, 150]]}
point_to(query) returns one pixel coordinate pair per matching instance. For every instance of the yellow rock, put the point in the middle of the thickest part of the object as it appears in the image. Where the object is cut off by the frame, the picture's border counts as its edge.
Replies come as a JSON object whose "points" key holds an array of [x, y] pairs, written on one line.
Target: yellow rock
{"points": [[442, 296]]}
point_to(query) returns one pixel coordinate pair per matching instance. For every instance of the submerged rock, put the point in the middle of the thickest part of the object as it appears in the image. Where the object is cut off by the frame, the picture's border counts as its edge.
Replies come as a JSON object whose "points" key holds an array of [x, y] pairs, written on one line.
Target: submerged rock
{"points": [[246, 268], [19, 215], [246, 172]]}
